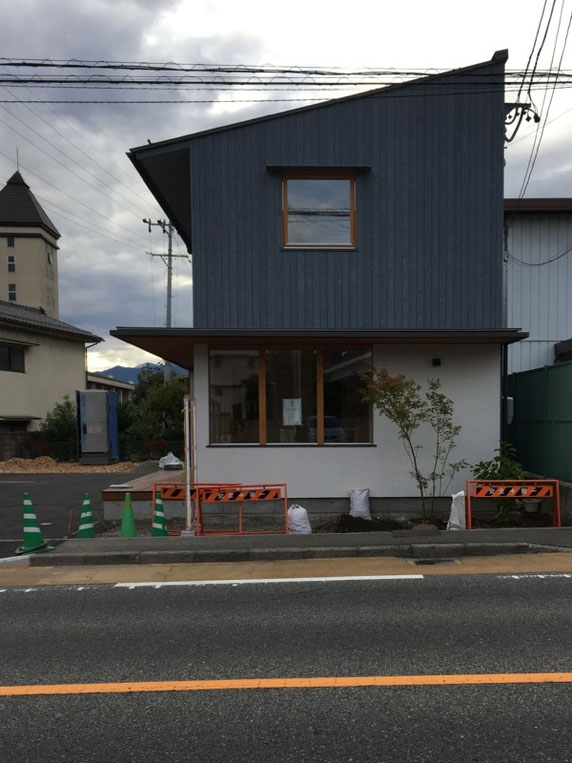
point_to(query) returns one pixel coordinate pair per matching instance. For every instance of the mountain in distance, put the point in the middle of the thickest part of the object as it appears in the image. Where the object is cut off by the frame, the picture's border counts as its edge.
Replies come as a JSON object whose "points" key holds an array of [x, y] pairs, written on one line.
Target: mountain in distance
{"points": [[131, 375]]}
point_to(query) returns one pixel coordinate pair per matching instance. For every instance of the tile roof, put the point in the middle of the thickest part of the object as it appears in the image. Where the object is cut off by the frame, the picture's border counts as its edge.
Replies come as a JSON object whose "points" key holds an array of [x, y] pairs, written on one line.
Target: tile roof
{"points": [[19, 207], [35, 319]]}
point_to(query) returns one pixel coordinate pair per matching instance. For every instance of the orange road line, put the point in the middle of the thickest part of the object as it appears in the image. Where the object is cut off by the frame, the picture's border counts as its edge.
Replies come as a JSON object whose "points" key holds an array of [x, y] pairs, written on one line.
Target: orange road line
{"points": [[327, 682]]}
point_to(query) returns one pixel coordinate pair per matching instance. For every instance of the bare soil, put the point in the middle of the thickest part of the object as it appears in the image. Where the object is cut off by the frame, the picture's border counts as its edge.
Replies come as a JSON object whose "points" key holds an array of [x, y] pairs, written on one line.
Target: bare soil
{"points": [[344, 523], [48, 465]]}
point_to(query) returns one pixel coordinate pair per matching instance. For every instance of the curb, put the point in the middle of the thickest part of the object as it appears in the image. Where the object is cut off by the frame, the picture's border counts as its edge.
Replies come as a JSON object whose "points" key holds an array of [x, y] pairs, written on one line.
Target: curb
{"points": [[410, 551]]}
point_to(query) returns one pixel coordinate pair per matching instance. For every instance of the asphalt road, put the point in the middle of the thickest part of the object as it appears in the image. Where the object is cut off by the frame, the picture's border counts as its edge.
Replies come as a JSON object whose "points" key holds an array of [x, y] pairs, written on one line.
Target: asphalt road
{"points": [[53, 496], [438, 625]]}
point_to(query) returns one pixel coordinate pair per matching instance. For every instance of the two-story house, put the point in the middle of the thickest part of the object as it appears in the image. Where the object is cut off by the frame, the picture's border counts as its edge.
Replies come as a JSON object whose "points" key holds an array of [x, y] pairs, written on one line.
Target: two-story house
{"points": [[367, 229]]}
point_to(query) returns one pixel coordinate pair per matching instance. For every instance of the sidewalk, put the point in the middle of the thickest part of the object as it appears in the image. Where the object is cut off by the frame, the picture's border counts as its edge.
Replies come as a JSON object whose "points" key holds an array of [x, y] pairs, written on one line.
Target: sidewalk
{"points": [[404, 543]]}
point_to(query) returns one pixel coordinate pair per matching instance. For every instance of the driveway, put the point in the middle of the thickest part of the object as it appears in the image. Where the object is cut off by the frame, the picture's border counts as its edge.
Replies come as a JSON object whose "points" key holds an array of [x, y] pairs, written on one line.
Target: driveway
{"points": [[53, 496]]}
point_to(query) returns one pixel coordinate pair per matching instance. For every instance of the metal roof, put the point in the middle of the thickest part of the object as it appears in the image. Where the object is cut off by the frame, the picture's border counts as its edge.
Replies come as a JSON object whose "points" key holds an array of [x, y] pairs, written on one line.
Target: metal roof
{"points": [[164, 165], [545, 204], [19, 207], [35, 319]]}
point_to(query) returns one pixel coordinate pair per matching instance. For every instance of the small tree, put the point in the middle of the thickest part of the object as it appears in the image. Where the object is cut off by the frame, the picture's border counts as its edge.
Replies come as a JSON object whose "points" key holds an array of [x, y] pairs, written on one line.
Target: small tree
{"points": [[59, 424], [402, 401]]}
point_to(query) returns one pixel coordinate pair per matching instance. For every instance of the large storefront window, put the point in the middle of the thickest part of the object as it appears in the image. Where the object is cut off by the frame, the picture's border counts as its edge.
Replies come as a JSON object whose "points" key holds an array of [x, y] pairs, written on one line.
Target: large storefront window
{"points": [[289, 395], [234, 396], [347, 418]]}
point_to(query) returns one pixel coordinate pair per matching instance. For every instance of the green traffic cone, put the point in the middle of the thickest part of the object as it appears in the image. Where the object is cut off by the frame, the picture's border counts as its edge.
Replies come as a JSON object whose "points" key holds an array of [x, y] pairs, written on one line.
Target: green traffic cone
{"points": [[159, 523], [86, 527], [128, 522], [33, 539]]}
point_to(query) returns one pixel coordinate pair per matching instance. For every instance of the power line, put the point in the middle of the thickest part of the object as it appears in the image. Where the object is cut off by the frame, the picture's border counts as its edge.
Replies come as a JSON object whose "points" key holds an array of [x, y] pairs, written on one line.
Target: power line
{"points": [[91, 157], [542, 45], [63, 153], [74, 199], [536, 145], [532, 49], [567, 249]]}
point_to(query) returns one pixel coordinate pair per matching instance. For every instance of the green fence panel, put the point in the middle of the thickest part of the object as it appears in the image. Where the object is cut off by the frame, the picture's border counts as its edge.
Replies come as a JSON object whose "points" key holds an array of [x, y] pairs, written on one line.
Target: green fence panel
{"points": [[541, 430]]}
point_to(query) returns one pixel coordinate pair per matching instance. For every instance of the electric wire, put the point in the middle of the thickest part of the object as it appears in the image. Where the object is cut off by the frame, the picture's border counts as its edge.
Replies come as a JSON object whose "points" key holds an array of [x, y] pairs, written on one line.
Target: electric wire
{"points": [[532, 49], [61, 164], [91, 157], [566, 250], [536, 149], [541, 46], [73, 198]]}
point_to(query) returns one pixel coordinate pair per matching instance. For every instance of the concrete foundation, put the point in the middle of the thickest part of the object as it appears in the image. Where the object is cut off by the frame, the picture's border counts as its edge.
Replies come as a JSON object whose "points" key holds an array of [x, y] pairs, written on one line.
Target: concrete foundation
{"points": [[319, 509]]}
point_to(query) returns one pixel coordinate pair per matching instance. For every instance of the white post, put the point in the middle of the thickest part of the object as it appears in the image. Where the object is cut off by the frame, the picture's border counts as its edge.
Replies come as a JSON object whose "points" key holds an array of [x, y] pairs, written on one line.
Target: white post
{"points": [[194, 438], [188, 511]]}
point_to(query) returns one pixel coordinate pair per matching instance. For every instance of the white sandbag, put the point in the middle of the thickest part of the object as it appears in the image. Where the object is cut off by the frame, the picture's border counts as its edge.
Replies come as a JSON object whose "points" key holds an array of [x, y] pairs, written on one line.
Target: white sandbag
{"points": [[359, 503], [170, 462], [298, 522], [457, 518]]}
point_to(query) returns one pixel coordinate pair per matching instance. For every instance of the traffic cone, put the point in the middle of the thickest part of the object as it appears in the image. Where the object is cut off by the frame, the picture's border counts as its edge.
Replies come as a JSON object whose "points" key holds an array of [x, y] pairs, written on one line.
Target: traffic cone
{"points": [[86, 527], [33, 539], [128, 522], [159, 523]]}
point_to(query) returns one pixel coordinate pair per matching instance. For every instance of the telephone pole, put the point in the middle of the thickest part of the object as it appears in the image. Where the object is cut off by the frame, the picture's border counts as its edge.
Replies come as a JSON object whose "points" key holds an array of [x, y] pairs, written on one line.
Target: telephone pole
{"points": [[167, 228]]}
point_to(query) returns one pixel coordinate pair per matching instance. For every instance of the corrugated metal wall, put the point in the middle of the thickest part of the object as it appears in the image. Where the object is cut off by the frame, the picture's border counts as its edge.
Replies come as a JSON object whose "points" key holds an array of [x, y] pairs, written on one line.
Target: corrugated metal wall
{"points": [[429, 214], [541, 429], [538, 297]]}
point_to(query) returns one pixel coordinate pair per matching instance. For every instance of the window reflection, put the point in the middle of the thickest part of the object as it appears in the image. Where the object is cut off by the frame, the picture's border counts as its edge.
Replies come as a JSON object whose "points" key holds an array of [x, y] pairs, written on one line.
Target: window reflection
{"points": [[319, 212], [347, 417], [234, 396], [290, 395]]}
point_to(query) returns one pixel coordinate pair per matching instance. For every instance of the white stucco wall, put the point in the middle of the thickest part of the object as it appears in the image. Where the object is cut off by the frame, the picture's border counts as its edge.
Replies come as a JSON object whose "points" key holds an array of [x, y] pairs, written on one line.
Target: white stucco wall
{"points": [[470, 376], [54, 368]]}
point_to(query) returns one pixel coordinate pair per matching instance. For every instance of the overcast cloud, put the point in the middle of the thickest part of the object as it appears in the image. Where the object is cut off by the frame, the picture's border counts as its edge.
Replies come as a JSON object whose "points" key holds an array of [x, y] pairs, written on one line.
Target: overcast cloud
{"points": [[96, 198]]}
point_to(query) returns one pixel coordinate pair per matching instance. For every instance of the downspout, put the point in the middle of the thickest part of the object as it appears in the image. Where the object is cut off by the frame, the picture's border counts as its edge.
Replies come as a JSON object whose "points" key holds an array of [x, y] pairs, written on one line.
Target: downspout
{"points": [[86, 348]]}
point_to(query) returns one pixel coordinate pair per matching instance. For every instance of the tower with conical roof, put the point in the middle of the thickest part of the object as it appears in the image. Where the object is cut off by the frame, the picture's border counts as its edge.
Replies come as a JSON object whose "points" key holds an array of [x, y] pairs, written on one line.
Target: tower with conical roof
{"points": [[28, 249]]}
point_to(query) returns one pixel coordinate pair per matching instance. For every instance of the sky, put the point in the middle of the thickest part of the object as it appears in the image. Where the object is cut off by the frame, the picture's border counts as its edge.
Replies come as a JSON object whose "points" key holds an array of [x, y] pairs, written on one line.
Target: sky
{"points": [[73, 156]]}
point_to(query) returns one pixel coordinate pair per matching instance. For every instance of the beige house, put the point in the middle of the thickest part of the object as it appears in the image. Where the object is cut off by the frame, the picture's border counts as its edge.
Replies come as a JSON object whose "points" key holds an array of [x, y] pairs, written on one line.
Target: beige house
{"points": [[41, 360], [28, 249]]}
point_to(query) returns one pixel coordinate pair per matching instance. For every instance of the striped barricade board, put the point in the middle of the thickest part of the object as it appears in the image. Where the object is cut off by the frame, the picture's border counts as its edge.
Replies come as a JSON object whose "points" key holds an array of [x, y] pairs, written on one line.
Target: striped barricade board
{"points": [[208, 494], [514, 489]]}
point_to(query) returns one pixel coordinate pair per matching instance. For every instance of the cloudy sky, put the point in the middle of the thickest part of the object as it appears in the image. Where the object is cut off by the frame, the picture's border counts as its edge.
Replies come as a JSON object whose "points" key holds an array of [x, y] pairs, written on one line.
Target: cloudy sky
{"points": [[73, 155]]}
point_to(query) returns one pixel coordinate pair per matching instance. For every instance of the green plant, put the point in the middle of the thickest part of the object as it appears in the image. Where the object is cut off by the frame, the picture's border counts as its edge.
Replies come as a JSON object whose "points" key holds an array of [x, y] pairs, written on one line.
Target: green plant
{"points": [[403, 402], [59, 424], [502, 466]]}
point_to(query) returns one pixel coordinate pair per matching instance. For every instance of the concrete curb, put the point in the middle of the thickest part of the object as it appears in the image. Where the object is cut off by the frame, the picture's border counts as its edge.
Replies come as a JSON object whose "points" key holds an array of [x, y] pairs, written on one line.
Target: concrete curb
{"points": [[409, 551], [15, 561]]}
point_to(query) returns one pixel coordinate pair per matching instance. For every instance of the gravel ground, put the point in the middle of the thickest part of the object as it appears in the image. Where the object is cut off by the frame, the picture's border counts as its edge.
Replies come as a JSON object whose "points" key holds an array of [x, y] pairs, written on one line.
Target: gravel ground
{"points": [[47, 465]]}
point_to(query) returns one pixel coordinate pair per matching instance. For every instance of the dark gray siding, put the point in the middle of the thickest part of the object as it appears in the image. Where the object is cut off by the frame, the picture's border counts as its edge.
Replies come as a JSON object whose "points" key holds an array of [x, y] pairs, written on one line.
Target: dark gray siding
{"points": [[429, 213]]}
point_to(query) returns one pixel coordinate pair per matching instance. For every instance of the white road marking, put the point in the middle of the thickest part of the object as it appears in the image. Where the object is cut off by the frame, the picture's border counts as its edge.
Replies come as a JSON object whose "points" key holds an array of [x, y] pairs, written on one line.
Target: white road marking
{"points": [[540, 575], [353, 578]]}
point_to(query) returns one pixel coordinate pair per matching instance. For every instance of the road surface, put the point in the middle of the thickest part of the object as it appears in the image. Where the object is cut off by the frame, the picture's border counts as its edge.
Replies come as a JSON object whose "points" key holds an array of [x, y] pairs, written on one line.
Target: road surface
{"points": [[451, 625]]}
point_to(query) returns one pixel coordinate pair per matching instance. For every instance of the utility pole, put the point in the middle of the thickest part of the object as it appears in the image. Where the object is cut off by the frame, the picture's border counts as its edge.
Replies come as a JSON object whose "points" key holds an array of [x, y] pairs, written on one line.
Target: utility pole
{"points": [[167, 228]]}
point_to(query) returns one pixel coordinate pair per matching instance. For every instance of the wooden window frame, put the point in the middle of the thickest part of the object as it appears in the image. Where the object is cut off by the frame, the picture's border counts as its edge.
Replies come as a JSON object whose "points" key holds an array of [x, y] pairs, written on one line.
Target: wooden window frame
{"points": [[262, 417], [320, 175]]}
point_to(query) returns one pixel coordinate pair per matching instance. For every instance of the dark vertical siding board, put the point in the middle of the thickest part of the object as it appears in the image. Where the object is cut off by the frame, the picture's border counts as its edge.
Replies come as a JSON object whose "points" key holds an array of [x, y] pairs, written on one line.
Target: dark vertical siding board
{"points": [[429, 214]]}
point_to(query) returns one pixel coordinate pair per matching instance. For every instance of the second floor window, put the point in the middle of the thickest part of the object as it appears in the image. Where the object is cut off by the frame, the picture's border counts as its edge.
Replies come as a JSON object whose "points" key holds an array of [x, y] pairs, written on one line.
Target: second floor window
{"points": [[10, 241], [12, 292], [11, 358], [319, 210], [11, 263]]}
